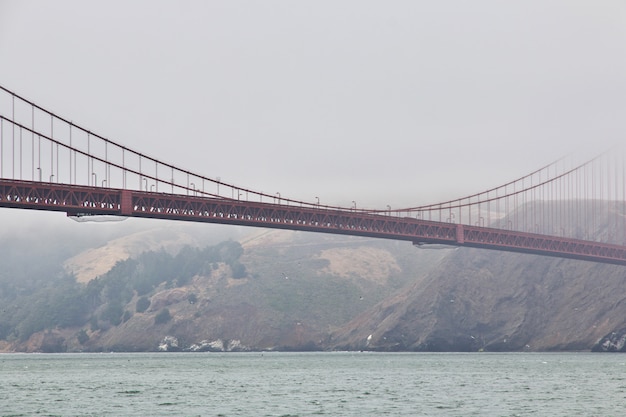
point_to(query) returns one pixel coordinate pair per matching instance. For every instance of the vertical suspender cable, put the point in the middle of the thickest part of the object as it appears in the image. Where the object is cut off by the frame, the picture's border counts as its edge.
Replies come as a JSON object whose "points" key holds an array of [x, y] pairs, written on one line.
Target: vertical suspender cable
{"points": [[140, 174], [39, 156], [123, 169], [51, 148], [615, 198], [106, 164], [32, 142], [563, 201], [70, 155], [623, 208], [608, 200], [13, 144], [593, 200], [1, 148], [58, 161], [21, 130]]}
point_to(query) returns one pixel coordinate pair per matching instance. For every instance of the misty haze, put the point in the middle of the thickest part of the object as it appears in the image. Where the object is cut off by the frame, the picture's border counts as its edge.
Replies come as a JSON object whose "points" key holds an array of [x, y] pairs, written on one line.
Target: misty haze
{"points": [[299, 208]]}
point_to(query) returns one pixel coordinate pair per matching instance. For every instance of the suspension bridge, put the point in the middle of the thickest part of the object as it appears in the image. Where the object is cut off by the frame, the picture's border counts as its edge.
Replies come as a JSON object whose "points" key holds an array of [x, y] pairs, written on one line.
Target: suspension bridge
{"points": [[566, 209]]}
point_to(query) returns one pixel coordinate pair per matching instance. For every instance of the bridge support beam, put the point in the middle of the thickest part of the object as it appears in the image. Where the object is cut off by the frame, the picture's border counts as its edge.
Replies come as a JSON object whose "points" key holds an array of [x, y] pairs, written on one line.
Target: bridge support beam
{"points": [[126, 203], [460, 235]]}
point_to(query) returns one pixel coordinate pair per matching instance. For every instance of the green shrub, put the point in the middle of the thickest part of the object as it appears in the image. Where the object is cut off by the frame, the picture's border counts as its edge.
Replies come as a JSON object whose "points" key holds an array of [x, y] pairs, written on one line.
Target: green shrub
{"points": [[142, 304], [126, 316], [162, 317], [192, 298], [113, 313], [238, 270], [82, 337]]}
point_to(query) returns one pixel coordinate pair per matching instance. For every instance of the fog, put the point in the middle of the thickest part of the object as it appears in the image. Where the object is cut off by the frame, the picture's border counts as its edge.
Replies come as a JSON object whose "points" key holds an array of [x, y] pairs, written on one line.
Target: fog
{"points": [[395, 103]]}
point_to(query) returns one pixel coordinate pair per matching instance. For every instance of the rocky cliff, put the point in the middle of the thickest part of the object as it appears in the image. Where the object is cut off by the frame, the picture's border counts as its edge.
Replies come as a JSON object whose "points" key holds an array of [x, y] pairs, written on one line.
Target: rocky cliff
{"points": [[480, 300]]}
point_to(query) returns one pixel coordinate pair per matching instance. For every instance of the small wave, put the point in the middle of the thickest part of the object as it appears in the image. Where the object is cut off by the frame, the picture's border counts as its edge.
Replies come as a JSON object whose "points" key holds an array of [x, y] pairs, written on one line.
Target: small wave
{"points": [[130, 392]]}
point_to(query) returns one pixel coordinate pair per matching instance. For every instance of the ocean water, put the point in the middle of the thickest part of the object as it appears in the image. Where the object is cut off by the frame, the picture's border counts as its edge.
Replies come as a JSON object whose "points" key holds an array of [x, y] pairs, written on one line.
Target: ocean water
{"points": [[313, 384]]}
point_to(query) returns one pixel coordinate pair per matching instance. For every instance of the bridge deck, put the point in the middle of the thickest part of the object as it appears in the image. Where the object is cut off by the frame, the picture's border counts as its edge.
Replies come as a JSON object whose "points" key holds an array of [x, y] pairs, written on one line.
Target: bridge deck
{"points": [[78, 200]]}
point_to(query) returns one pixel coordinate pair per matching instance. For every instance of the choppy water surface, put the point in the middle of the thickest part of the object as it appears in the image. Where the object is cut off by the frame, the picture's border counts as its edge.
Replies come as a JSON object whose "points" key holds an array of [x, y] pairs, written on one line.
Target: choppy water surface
{"points": [[311, 384]]}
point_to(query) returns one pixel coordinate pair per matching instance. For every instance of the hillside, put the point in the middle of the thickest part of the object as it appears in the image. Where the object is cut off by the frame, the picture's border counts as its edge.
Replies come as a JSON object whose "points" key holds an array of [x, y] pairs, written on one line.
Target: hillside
{"points": [[283, 290], [481, 300], [298, 288], [187, 288], [497, 301]]}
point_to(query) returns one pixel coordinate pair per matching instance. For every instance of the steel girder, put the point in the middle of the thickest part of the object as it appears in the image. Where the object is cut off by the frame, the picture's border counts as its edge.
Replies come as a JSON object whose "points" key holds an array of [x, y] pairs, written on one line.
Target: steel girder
{"points": [[543, 245], [58, 197], [82, 200], [289, 217]]}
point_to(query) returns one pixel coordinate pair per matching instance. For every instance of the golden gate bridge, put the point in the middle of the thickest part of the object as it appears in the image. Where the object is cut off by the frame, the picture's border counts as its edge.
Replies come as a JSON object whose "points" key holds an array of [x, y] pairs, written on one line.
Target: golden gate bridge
{"points": [[566, 209]]}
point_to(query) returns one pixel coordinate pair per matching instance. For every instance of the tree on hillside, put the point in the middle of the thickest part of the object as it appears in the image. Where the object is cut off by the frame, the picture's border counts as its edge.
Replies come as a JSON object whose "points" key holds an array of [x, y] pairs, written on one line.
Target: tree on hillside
{"points": [[142, 304], [162, 317], [238, 270], [36, 298]]}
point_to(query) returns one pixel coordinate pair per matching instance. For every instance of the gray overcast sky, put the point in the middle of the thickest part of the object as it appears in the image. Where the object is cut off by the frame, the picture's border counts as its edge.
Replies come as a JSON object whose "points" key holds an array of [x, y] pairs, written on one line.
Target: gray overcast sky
{"points": [[386, 102]]}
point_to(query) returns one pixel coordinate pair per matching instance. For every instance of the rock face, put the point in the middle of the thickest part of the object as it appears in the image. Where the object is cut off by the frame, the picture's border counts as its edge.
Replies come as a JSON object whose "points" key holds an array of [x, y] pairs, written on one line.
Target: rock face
{"points": [[481, 300], [612, 342]]}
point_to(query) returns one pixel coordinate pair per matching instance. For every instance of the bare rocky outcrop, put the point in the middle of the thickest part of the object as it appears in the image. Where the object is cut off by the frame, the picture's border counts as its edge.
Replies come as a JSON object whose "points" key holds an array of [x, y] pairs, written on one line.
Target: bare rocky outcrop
{"points": [[612, 342], [480, 300]]}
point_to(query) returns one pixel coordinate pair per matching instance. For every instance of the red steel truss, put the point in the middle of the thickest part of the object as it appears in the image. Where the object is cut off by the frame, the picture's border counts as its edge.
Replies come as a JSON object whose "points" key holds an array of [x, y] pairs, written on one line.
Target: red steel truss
{"points": [[78, 200]]}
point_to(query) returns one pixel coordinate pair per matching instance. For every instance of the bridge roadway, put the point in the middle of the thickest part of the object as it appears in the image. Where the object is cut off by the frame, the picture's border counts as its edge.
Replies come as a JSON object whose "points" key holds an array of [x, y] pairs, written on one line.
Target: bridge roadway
{"points": [[76, 200]]}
